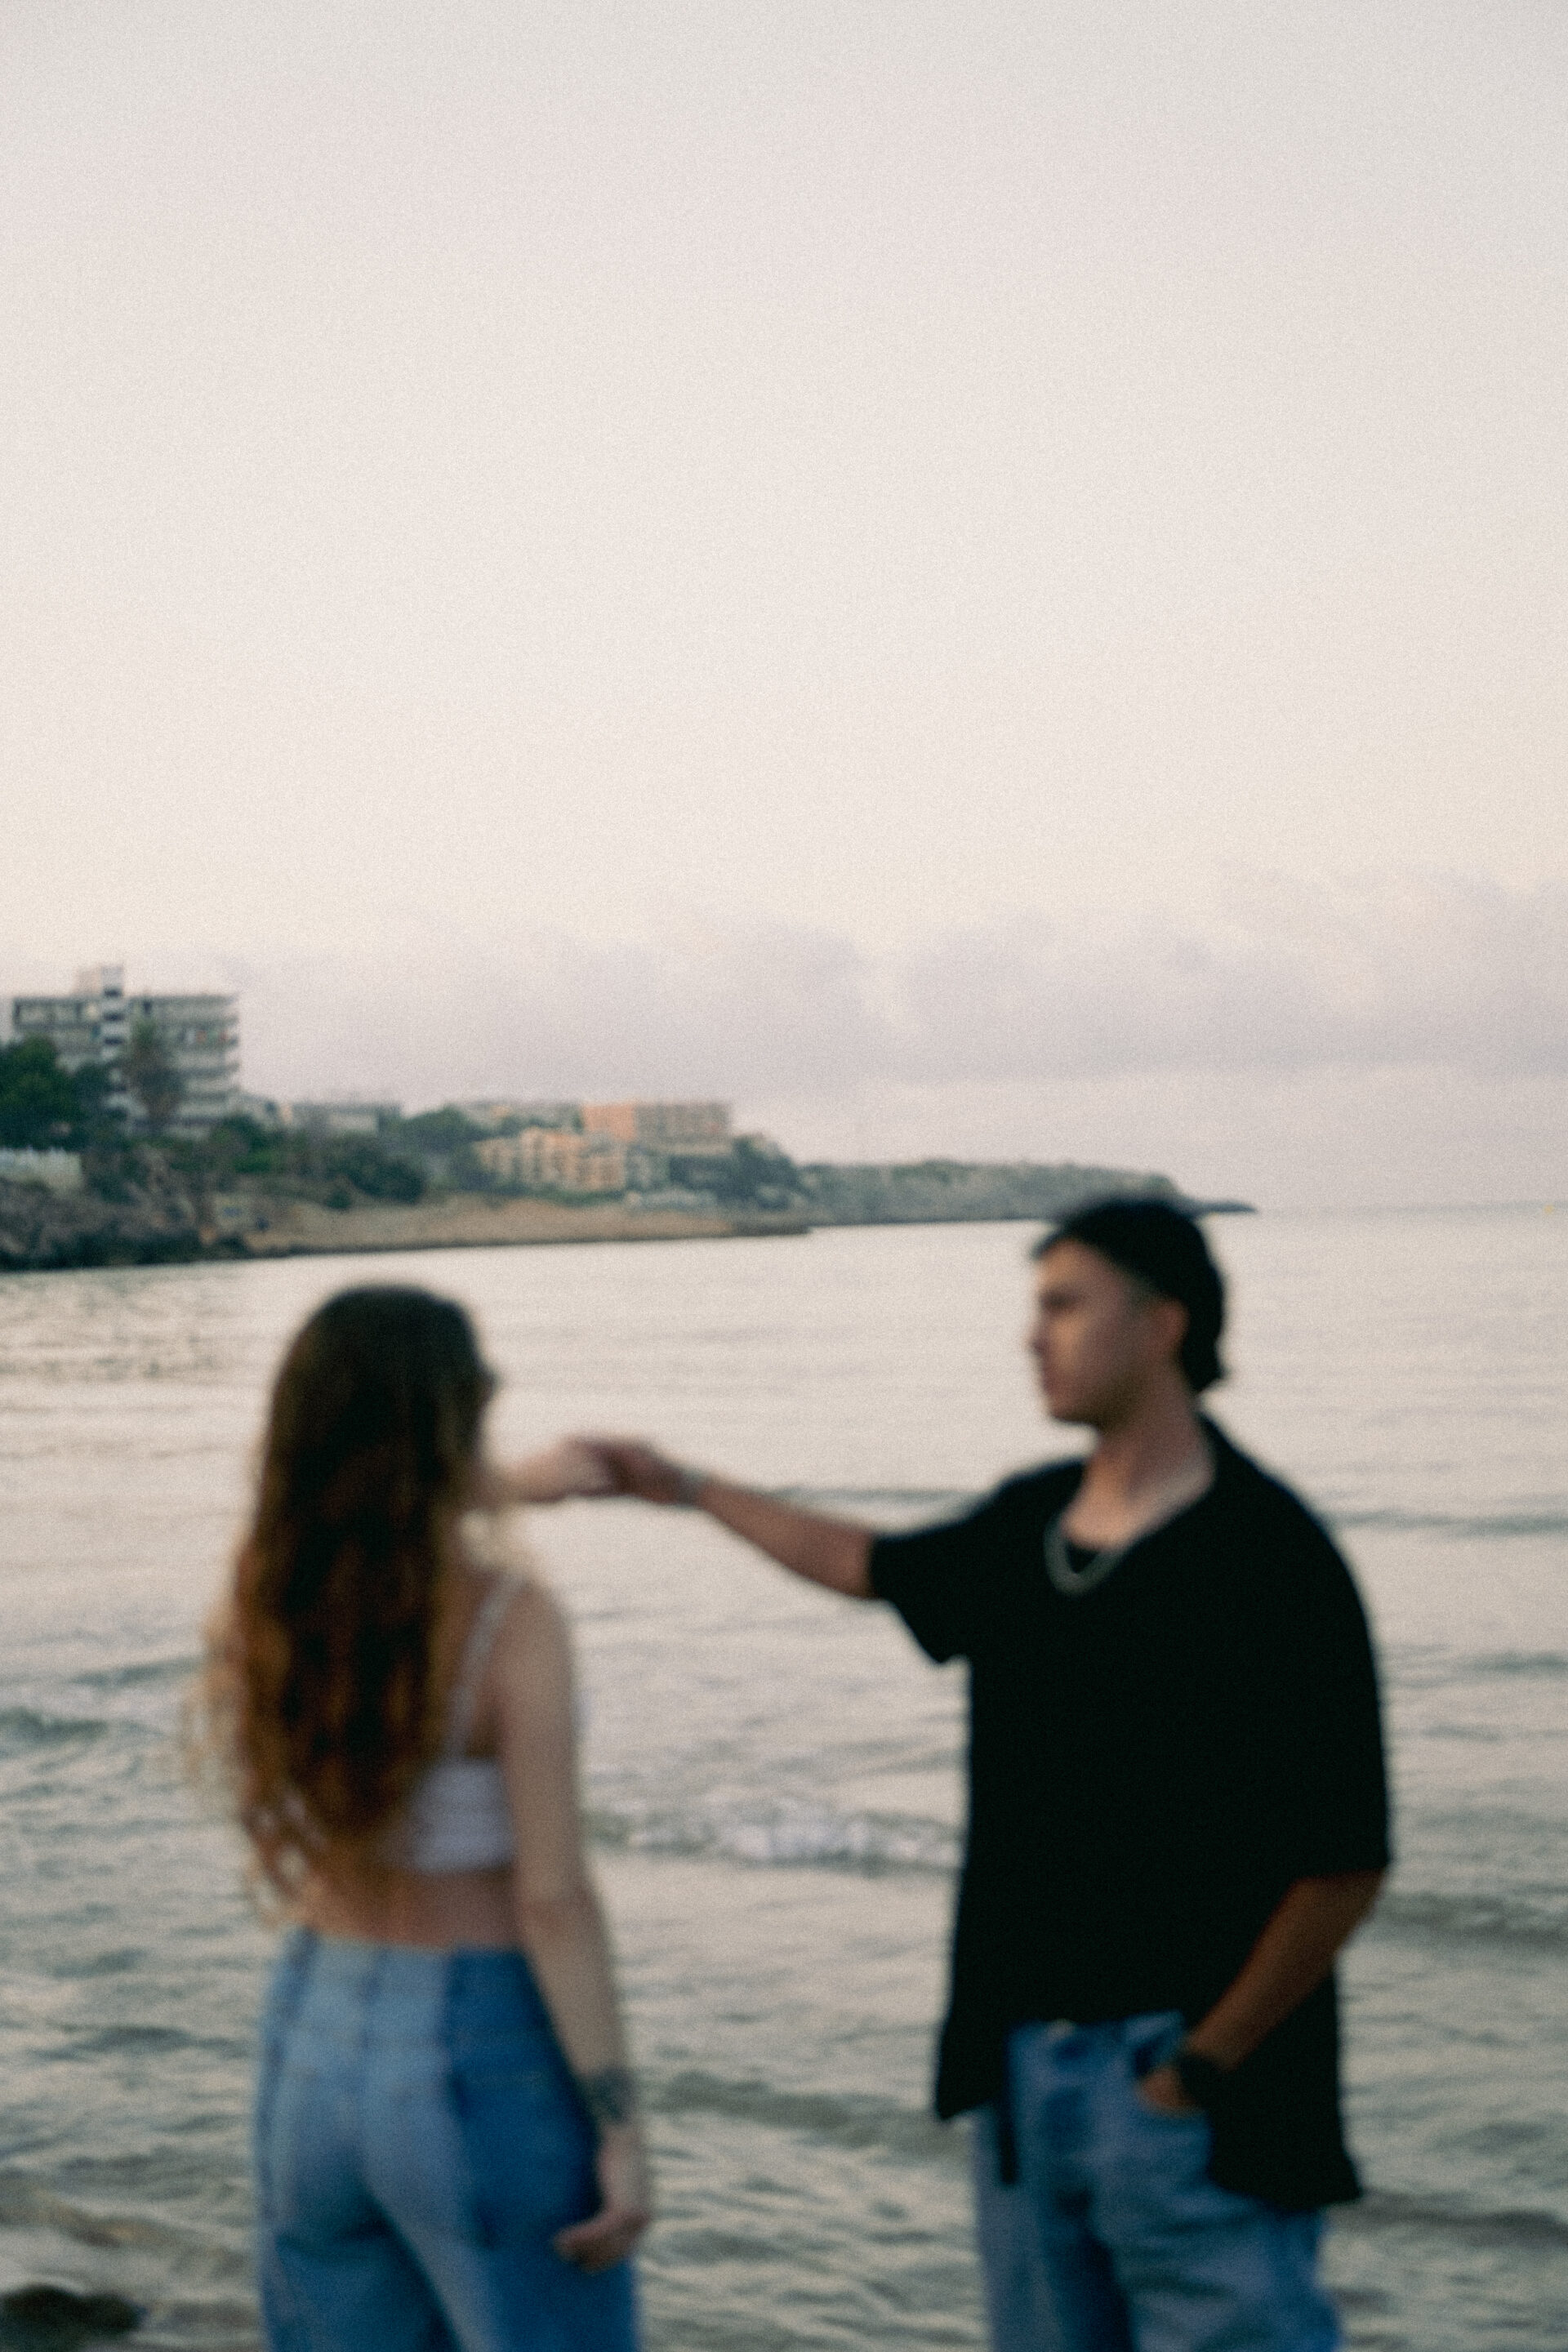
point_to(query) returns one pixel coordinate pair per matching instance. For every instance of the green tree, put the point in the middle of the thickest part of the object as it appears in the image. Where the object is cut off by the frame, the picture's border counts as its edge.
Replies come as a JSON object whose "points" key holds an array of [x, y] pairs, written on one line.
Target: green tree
{"points": [[756, 1173], [94, 1122], [362, 1161], [39, 1105], [442, 1142], [148, 1069]]}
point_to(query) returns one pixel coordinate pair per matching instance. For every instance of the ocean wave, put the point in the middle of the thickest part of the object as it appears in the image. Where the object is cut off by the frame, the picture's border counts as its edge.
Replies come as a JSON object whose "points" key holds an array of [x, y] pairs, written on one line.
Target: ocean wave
{"points": [[157, 2040], [841, 2119], [22, 1728], [1428, 1665], [947, 1501], [1386, 2209], [1481, 1526], [880, 1844], [785, 1838], [1538, 1920], [122, 1959], [858, 2121], [26, 2202], [134, 1676]]}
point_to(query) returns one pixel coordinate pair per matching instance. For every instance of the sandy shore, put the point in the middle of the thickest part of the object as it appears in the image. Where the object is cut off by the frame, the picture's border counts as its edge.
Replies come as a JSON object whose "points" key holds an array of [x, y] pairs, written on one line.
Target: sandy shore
{"points": [[479, 1221]]}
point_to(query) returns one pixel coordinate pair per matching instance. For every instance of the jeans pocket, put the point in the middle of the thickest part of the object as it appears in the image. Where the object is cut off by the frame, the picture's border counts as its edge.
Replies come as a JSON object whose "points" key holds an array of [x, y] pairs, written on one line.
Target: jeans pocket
{"points": [[304, 2172], [1181, 2126], [1150, 2044], [1161, 2161], [1167, 2118]]}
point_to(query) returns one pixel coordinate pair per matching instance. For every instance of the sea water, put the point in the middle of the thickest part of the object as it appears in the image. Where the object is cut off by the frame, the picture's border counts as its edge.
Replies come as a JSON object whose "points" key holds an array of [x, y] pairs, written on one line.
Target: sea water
{"points": [[774, 1775]]}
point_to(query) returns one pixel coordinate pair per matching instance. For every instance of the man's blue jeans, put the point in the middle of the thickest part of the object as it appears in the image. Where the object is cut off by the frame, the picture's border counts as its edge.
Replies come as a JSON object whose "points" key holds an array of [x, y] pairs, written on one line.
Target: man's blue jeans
{"points": [[418, 2142], [1114, 2239]]}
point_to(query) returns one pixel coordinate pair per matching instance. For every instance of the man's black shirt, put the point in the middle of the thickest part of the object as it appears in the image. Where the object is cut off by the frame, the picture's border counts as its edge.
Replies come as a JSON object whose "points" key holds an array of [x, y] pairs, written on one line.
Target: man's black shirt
{"points": [[1153, 1763]]}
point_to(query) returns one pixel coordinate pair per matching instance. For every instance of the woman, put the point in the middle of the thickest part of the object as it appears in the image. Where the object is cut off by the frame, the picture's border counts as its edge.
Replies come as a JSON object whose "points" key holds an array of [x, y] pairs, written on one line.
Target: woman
{"points": [[447, 2148]]}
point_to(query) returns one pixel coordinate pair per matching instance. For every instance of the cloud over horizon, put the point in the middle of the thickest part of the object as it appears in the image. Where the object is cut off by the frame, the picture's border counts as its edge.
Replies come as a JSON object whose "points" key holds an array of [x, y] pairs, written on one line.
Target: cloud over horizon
{"points": [[1392, 971]]}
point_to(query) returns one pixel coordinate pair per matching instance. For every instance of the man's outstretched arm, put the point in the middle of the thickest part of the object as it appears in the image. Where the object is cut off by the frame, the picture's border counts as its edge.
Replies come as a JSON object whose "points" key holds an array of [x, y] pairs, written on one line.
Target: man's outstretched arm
{"points": [[825, 1551]]}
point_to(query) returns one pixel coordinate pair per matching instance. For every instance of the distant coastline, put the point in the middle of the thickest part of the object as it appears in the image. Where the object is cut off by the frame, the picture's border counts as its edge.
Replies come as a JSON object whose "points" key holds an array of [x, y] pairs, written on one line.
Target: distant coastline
{"points": [[164, 1224], [114, 1150], [951, 1191]]}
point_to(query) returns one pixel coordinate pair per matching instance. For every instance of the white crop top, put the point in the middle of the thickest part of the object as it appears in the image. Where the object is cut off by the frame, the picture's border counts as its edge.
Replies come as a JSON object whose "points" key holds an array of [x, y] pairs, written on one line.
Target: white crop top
{"points": [[457, 1816]]}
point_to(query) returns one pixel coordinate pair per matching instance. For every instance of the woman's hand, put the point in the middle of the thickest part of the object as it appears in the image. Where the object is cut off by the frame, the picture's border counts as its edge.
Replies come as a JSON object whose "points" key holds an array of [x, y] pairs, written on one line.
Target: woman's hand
{"points": [[608, 2236], [630, 1467], [571, 1466]]}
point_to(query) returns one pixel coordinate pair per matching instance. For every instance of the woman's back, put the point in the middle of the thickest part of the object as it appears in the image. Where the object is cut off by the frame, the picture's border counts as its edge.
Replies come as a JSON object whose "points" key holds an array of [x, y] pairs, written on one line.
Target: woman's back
{"points": [[446, 2146], [456, 1816], [440, 1873]]}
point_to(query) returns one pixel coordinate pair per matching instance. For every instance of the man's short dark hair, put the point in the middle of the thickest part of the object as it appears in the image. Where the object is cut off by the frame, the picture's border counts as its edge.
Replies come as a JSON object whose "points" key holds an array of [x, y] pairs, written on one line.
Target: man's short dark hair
{"points": [[1164, 1249]]}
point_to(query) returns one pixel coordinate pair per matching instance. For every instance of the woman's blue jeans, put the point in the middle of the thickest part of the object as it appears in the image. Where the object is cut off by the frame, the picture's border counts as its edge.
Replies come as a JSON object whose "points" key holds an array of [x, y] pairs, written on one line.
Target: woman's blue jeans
{"points": [[419, 2143]]}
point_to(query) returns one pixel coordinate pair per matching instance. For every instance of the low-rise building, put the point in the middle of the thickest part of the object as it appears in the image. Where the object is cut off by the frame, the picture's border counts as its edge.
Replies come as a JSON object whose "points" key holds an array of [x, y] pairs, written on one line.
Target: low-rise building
{"points": [[57, 1171], [683, 1126], [262, 1110], [351, 1115], [94, 1024], [498, 1117], [556, 1159]]}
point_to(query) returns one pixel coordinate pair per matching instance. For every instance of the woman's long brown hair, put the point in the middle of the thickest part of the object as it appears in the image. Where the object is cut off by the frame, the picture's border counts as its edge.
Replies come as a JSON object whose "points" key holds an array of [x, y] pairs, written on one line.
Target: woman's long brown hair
{"points": [[318, 1690]]}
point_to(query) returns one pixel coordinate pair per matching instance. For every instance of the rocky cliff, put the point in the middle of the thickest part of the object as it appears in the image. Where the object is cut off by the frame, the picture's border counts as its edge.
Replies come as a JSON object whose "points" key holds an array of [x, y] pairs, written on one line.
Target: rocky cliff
{"points": [[40, 1230]]}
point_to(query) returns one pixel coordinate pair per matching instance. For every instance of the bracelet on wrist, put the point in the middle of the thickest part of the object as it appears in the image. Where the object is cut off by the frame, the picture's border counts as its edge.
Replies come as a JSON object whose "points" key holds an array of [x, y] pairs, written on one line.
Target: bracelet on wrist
{"points": [[688, 1486]]}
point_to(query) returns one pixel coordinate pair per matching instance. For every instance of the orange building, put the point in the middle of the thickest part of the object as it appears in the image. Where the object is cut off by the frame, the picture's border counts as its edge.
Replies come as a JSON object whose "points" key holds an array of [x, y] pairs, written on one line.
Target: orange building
{"points": [[662, 1126], [552, 1159]]}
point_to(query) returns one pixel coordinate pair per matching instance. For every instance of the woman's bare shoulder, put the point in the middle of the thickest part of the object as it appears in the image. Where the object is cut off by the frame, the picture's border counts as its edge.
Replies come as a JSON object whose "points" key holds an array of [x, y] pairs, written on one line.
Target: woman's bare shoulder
{"points": [[534, 1639]]}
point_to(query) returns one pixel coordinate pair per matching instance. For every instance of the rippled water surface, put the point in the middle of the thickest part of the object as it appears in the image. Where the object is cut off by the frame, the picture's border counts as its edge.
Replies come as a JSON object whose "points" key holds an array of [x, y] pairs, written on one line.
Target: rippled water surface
{"points": [[774, 1775]]}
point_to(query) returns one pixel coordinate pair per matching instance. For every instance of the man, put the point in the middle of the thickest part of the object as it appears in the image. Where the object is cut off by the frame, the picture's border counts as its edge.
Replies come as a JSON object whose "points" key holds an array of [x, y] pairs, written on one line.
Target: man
{"points": [[1177, 1816]]}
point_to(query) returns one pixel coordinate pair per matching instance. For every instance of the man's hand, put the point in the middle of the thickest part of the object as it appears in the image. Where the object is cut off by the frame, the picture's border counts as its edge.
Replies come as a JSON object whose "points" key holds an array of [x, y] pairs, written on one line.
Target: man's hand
{"points": [[628, 1466], [608, 2236], [571, 1466], [1292, 1956], [1161, 2089], [834, 1552]]}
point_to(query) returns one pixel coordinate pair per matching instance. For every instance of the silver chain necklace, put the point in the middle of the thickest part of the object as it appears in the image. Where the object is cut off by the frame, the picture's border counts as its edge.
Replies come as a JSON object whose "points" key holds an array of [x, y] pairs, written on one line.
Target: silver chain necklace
{"points": [[1074, 1583]]}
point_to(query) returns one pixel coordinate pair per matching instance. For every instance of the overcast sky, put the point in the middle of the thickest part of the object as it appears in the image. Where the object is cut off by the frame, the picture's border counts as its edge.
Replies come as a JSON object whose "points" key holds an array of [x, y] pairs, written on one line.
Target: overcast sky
{"points": [[976, 578]]}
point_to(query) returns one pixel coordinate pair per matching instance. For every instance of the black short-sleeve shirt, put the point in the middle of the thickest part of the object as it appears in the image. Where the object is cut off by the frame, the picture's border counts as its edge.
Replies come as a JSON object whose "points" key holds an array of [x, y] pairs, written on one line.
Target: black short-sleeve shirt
{"points": [[1153, 1763]]}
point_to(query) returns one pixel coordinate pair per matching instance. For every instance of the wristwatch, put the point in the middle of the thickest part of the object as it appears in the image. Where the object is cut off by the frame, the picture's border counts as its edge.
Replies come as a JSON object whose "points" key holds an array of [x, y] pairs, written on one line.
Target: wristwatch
{"points": [[1203, 2081]]}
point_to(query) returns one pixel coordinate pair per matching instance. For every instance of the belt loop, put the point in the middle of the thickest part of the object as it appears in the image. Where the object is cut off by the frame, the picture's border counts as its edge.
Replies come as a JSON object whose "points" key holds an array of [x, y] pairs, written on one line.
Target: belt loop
{"points": [[1006, 2133]]}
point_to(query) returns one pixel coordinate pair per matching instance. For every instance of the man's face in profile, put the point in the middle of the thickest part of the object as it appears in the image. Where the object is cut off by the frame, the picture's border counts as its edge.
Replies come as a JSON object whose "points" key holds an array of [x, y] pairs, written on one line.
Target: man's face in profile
{"points": [[1098, 1335]]}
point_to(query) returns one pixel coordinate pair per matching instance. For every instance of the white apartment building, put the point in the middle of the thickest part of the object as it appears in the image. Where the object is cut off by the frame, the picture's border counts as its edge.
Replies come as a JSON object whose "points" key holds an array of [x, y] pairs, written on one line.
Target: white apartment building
{"points": [[94, 1024]]}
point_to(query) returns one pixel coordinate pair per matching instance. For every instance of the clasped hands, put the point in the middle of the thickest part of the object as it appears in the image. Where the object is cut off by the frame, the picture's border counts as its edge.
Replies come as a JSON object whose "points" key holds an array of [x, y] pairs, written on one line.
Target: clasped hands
{"points": [[573, 1468]]}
